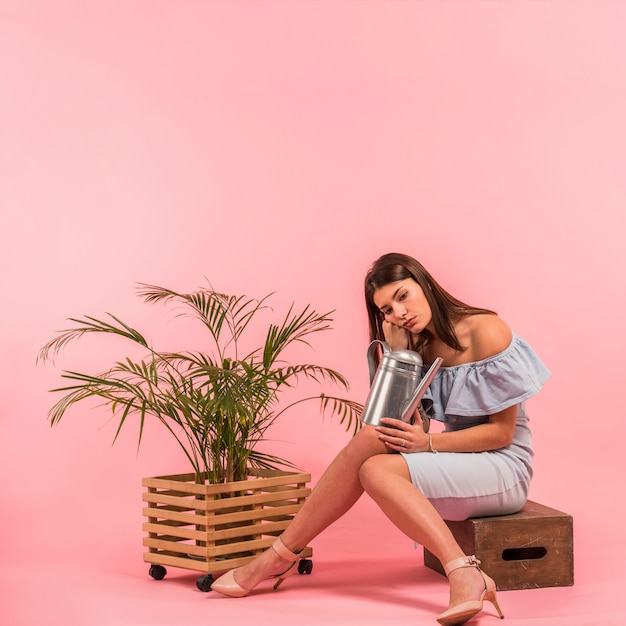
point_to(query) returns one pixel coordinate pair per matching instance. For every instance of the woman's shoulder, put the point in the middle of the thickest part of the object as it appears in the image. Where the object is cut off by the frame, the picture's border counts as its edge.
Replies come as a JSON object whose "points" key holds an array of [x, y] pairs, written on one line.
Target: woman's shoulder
{"points": [[497, 370], [485, 336]]}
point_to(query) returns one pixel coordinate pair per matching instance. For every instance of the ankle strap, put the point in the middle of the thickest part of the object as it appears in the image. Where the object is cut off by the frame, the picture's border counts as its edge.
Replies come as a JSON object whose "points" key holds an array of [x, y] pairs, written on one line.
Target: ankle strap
{"points": [[284, 552], [464, 561]]}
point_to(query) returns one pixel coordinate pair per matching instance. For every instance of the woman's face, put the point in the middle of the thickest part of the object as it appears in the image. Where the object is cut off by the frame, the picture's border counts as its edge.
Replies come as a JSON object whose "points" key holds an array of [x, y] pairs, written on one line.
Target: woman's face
{"points": [[403, 304]]}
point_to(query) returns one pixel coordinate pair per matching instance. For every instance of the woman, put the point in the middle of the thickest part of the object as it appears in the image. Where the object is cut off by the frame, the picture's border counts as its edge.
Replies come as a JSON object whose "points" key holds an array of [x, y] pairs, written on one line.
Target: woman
{"points": [[479, 465]]}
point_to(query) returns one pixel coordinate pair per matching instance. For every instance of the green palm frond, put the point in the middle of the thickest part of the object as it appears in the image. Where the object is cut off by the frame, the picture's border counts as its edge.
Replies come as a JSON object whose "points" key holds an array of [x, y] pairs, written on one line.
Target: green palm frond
{"points": [[89, 325], [215, 310], [348, 411], [294, 328], [313, 372], [216, 405], [261, 460]]}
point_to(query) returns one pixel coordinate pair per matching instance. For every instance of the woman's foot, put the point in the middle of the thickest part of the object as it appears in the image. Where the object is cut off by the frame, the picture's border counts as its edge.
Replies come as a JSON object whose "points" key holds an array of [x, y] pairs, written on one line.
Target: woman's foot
{"points": [[469, 587], [277, 562]]}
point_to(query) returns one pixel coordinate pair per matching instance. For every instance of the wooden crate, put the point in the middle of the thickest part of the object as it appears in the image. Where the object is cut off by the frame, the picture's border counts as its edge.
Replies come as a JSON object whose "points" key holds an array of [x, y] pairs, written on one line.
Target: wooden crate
{"points": [[526, 550], [212, 528]]}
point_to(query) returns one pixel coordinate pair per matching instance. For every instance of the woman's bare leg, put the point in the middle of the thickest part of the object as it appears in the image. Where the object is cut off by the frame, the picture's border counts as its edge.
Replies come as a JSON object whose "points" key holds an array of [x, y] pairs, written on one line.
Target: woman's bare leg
{"points": [[388, 482], [335, 493]]}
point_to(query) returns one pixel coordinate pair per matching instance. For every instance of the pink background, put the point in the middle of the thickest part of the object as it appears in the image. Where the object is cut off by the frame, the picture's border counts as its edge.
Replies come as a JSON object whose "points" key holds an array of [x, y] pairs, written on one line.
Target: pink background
{"points": [[283, 146]]}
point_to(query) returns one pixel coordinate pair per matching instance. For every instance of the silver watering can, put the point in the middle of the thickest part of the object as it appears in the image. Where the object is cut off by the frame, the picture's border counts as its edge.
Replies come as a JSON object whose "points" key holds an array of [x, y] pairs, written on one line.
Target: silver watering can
{"points": [[397, 385]]}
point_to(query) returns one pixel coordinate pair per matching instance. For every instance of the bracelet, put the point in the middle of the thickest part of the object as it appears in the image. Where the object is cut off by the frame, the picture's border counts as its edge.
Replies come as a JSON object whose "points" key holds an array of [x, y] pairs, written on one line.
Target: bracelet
{"points": [[430, 441]]}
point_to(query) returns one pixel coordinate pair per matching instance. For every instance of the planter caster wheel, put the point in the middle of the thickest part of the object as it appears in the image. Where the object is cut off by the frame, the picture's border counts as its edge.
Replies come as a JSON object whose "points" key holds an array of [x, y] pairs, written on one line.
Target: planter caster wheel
{"points": [[157, 572], [204, 583], [305, 566]]}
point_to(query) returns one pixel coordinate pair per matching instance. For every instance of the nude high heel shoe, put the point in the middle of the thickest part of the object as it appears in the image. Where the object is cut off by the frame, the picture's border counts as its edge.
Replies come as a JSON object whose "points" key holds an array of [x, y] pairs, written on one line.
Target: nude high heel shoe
{"points": [[228, 586], [463, 612]]}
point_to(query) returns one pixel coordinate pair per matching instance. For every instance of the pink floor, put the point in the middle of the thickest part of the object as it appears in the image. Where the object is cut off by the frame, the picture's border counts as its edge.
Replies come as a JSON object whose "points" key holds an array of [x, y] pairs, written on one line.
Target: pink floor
{"points": [[364, 573]]}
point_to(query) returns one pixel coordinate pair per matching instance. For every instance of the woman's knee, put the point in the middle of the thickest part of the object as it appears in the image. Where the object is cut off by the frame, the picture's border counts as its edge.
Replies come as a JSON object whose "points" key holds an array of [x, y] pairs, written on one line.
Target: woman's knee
{"points": [[366, 443], [368, 472], [375, 471]]}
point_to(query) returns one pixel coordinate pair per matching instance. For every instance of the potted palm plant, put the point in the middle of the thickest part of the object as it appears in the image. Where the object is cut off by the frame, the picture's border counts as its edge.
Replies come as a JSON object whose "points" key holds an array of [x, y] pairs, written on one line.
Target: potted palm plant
{"points": [[217, 404]]}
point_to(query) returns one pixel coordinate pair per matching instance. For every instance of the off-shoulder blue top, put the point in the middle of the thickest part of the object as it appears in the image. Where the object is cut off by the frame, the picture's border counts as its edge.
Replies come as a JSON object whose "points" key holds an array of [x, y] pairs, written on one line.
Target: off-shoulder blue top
{"points": [[494, 482], [466, 395]]}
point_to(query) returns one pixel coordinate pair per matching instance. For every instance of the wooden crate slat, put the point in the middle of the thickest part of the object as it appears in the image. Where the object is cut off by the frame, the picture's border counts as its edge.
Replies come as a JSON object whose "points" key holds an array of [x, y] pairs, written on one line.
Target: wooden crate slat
{"points": [[171, 523], [252, 530], [183, 532], [189, 497], [177, 497], [194, 519], [236, 548], [172, 540], [226, 531], [165, 532], [187, 518], [175, 509], [178, 547], [253, 515], [271, 473], [208, 567], [257, 498], [231, 551], [258, 483], [223, 506], [280, 488], [293, 493], [183, 503], [165, 558], [185, 484], [279, 503]]}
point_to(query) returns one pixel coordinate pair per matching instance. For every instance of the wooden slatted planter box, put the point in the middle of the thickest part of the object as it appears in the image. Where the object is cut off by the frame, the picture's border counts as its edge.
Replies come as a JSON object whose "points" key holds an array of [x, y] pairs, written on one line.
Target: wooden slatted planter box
{"points": [[212, 528]]}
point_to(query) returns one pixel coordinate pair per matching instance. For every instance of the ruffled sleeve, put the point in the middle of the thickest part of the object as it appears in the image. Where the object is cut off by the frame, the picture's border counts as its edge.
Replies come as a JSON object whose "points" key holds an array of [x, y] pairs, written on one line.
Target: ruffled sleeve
{"points": [[485, 387]]}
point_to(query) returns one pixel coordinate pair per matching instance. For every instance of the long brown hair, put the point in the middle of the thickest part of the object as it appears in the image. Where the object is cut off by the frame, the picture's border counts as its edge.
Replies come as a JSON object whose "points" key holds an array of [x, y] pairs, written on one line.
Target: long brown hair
{"points": [[445, 308]]}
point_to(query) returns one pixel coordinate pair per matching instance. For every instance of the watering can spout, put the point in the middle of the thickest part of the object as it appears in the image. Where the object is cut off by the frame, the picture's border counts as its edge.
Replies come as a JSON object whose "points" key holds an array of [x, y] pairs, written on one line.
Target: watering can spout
{"points": [[411, 405]]}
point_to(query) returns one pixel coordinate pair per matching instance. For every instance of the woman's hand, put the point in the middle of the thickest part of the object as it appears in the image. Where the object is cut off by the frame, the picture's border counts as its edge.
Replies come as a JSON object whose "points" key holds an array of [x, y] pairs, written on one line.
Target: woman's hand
{"points": [[402, 437], [396, 336]]}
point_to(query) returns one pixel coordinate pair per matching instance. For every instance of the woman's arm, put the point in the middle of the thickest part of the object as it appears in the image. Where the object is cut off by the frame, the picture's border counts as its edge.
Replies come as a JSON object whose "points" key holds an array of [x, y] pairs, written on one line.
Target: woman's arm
{"points": [[495, 434]]}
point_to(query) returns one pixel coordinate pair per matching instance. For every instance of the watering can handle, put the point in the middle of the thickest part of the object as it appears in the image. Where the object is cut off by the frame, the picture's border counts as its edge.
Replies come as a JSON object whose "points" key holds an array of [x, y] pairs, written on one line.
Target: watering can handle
{"points": [[371, 356]]}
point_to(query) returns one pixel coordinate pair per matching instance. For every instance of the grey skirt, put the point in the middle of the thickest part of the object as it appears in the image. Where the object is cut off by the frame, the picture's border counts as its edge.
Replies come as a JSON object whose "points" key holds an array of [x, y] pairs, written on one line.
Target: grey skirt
{"points": [[461, 485]]}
